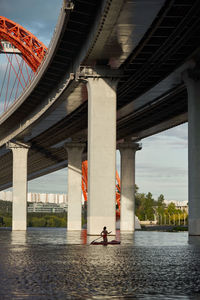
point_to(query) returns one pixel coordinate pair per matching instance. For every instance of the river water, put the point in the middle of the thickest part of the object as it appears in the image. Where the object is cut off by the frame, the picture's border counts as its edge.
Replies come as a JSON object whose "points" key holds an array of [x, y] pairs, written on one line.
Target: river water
{"points": [[53, 264]]}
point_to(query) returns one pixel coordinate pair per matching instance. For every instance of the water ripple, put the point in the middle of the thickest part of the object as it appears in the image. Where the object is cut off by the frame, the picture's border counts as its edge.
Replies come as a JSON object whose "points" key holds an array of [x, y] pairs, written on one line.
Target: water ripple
{"points": [[54, 264]]}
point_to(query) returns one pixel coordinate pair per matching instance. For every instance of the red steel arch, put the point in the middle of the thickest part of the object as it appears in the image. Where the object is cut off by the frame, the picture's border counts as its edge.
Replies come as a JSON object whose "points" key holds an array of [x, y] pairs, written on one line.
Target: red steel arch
{"points": [[32, 50]]}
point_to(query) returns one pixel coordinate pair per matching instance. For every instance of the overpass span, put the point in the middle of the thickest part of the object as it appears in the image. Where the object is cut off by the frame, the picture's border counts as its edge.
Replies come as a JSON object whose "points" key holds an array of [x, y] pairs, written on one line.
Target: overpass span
{"points": [[150, 99], [147, 50]]}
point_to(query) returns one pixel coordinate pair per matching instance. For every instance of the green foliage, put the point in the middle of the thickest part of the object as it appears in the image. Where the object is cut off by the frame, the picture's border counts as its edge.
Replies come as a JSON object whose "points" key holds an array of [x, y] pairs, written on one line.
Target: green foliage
{"points": [[33, 219], [47, 220], [7, 221], [147, 209], [144, 205], [171, 209], [160, 201], [5, 207]]}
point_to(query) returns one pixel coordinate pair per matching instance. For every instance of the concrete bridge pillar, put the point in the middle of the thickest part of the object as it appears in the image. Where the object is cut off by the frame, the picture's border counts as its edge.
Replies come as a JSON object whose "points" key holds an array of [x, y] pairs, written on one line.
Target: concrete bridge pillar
{"points": [[19, 203], [101, 155], [192, 81], [74, 151], [127, 201]]}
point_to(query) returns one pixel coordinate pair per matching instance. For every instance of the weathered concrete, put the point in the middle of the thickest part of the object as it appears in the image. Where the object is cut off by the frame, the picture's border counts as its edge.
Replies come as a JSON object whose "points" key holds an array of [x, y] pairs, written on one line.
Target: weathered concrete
{"points": [[19, 205], [192, 81], [101, 155], [74, 151], [127, 202]]}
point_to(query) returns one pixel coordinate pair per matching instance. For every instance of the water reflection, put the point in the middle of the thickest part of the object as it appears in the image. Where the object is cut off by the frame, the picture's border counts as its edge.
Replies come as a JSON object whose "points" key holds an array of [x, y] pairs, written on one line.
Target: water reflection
{"points": [[77, 237], [194, 240], [18, 237], [51, 263]]}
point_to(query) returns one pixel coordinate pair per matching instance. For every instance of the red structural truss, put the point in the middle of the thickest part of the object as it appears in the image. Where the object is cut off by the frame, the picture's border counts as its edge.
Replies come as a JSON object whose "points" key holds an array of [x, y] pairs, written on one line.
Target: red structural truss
{"points": [[85, 186], [32, 50]]}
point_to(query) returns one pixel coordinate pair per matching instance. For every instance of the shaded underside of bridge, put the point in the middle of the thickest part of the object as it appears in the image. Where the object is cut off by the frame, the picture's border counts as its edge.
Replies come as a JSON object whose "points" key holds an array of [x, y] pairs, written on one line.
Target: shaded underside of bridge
{"points": [[151, 96]]}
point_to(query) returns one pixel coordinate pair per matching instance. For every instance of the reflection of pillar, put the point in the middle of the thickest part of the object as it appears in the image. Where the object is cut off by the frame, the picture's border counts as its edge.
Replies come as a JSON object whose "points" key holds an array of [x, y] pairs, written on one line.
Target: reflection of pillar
{"points": [[46, 198], [57, 198], [19, 213], [74, 151], [54, 198], [127, 201], [192, 80], [101, 155]]}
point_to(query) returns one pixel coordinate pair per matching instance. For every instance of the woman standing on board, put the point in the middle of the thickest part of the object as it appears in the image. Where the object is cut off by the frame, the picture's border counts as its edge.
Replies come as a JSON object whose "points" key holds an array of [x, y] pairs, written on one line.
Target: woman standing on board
{"points": [[104, 234]]}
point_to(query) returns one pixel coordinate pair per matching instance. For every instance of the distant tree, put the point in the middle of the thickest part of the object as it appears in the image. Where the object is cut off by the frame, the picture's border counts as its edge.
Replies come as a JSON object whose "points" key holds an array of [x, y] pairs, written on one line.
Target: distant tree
{"points": [[1, 221], [7, 221], [144, 205], [160, 206], [149, 203], [38, 222], [139, 204], [160, 201], [171, 208]]}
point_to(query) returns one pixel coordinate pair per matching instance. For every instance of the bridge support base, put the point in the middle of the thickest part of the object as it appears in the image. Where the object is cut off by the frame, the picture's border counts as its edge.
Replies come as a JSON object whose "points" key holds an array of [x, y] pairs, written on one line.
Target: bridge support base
{"points": [[127, 202], [101, 155], [193, 88], [74, 151], [19, 205]]}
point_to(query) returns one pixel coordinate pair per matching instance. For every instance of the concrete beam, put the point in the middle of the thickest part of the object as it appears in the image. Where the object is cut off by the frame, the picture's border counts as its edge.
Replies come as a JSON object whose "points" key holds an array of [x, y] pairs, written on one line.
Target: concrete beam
{"points": [[101, 155], [192, 81], [74, 151], [127, 201], [19, 205]]}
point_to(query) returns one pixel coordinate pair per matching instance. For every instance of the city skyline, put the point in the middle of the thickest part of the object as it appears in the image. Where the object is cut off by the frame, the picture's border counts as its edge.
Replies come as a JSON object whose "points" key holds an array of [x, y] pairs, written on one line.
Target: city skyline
{"points": [[161, 165]]}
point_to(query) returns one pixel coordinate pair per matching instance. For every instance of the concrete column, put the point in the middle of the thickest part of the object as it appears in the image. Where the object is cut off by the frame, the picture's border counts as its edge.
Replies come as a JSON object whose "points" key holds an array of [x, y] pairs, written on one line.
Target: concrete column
{"points": [[19, 203], [101, 155], [74, 151], [127, 201], [192, 81]]}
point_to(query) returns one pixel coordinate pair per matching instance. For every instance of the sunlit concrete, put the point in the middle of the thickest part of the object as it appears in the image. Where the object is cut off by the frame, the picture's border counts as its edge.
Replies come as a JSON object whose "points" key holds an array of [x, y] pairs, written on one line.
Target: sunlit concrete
{"points": [[74, 151], [19, 205], [101, 155], [127, 202], [192, 80]]}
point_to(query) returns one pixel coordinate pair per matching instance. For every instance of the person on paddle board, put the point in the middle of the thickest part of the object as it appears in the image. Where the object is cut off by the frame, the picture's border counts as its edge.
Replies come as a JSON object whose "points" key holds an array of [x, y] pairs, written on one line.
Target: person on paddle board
{"points": [[104, 234]]}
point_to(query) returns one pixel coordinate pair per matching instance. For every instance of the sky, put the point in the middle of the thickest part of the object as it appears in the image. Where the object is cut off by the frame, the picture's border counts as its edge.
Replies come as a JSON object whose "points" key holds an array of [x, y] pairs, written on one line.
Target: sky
{"points": [[161, 165]]}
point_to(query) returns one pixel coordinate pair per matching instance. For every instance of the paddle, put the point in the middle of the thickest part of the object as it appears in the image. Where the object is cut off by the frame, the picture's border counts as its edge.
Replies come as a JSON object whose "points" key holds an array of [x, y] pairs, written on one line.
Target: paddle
{"points": [[95, 240], [98, 238]]}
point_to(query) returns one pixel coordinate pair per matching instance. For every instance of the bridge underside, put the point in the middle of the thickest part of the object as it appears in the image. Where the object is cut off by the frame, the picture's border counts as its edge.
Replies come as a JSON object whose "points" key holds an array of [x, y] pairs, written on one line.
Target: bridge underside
{"points": [[151, 96]]}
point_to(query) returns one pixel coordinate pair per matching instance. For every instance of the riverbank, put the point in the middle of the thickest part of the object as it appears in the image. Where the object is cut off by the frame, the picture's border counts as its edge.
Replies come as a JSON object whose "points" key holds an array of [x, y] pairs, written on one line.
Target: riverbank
{"points": [[165, 228]]}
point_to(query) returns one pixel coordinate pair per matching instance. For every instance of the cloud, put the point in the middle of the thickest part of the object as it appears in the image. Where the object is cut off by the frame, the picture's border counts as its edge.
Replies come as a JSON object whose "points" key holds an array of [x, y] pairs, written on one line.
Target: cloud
{"points": [[55, 182], [176, 137], [160, 171], [162, 164]]}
